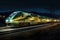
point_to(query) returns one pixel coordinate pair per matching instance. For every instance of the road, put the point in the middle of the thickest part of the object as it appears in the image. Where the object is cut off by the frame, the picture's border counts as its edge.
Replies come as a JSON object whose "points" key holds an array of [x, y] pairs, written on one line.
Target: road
{"points": [[27, 31]]}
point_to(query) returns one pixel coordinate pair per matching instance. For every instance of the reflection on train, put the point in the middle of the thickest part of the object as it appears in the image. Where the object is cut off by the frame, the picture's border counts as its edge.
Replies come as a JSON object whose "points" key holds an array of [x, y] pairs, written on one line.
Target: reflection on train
{"points": [[20, 18]]}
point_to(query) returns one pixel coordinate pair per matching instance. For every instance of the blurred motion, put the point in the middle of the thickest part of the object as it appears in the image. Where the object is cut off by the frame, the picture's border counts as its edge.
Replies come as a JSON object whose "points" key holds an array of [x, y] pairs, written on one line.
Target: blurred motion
{"points": [[29, 20], [20, 18], [26, 24]]}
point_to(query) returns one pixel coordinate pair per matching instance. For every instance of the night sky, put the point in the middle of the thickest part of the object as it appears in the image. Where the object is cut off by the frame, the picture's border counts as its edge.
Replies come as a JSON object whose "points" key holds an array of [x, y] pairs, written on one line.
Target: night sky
{"points": [[43, 6]]}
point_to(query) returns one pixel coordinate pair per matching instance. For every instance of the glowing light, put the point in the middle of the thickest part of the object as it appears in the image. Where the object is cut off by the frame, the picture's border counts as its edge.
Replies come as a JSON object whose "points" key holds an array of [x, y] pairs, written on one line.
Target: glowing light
{"points": [[48, 20], [6, 21], [55, 20], [18, 18], [26, 14], [11, 20]]}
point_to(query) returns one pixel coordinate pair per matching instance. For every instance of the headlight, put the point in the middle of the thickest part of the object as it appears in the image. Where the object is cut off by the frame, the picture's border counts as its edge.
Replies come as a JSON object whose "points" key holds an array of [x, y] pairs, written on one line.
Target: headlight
{"points": [[11, 20], [6, 21]]}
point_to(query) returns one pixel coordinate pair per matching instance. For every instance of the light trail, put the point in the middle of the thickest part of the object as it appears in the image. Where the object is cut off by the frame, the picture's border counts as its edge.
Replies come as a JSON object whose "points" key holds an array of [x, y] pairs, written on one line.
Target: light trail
{"points": [[23, 28], [7, 34]]}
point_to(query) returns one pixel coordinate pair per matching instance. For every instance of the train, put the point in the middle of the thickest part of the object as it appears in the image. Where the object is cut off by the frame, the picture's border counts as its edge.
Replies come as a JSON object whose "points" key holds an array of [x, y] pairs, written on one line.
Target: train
{"points": [[20, 18]]}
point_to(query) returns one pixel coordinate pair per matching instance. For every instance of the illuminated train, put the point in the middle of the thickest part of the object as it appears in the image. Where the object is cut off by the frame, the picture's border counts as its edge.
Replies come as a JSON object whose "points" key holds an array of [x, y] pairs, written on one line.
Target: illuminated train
{"points": [[20, 18]]}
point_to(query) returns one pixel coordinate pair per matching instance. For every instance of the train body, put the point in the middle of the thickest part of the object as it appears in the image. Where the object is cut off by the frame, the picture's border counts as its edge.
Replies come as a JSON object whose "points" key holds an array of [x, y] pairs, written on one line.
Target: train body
{"points": [[19, 18]]}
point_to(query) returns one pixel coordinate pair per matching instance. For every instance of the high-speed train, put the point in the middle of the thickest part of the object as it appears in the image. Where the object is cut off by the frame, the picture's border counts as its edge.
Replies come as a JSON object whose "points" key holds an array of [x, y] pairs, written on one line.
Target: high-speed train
{"points": [[20, 18]]}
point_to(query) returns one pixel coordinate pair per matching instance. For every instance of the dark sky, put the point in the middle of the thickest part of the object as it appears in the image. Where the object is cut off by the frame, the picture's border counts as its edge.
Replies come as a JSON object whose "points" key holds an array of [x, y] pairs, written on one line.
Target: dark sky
{"points": [[34, 5], [24, 4]]}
